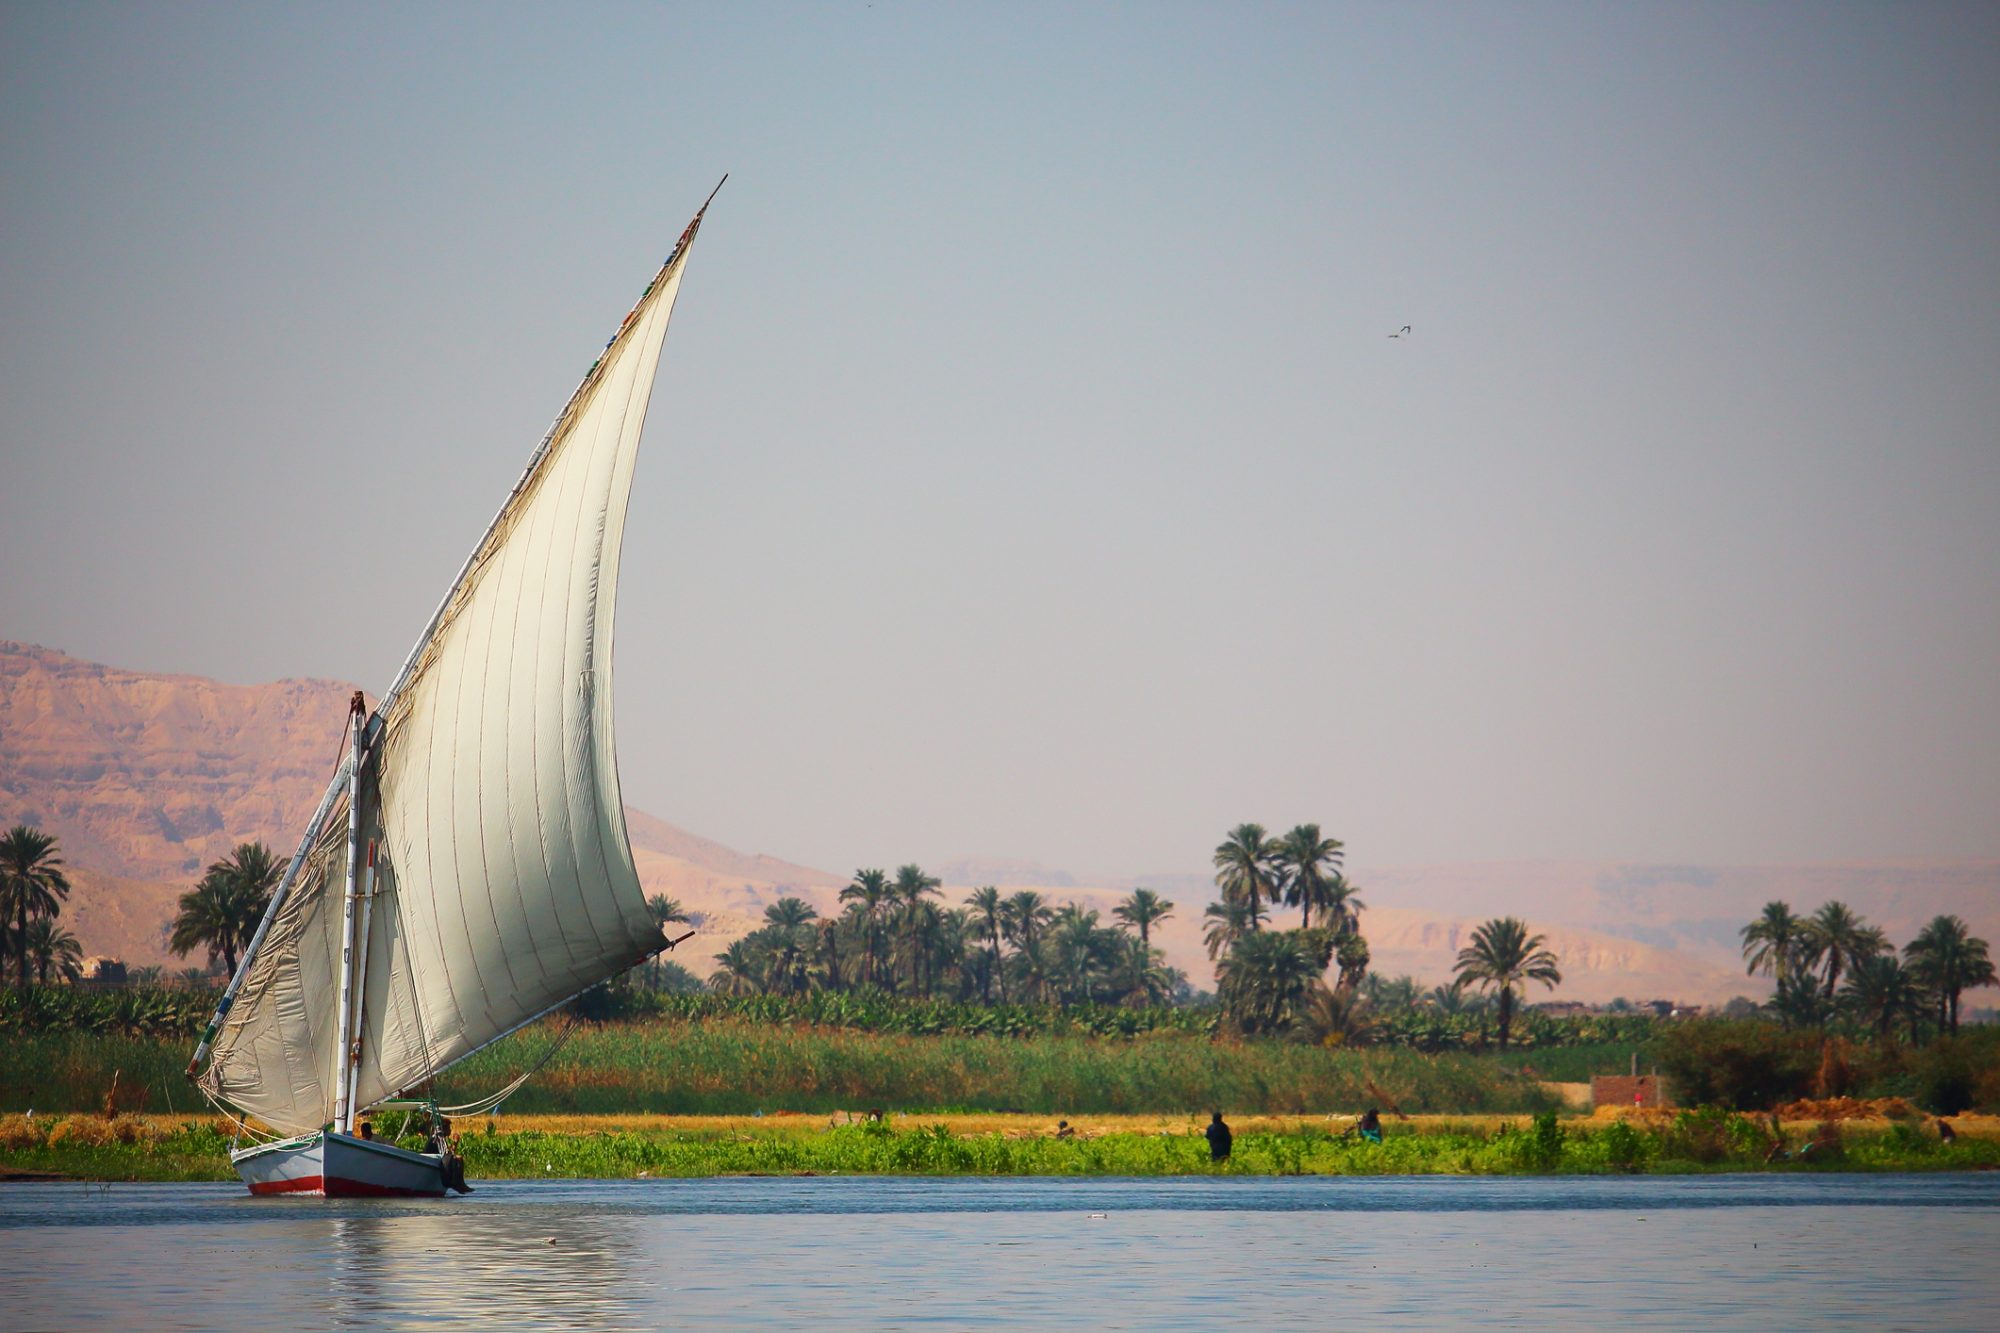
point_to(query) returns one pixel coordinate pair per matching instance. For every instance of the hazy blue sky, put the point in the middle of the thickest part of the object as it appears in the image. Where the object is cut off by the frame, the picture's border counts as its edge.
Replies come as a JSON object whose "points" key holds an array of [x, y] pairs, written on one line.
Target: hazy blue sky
{"points": [[1030, 472]]}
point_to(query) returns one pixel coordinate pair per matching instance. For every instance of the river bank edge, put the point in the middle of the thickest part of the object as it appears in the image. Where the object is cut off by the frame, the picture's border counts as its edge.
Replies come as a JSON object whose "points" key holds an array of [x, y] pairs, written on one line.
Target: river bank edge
{"points": [[195, 1148]]}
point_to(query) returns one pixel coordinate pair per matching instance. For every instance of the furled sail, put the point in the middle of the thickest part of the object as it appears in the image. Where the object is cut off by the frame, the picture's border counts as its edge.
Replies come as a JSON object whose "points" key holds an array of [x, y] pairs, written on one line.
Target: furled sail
{"points": [[501, 877]]}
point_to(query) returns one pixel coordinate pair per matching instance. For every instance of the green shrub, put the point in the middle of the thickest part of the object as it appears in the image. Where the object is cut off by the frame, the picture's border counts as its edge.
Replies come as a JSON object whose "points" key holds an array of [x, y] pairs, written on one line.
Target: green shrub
{"points": [[1743, 1066], [1624, 1147], [1945, 1076], [1710, 1135]]}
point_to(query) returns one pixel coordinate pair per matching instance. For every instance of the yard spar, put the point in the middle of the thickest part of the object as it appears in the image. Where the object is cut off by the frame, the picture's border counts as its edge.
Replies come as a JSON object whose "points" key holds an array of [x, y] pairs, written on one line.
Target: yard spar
{"points": [[468, 869]]}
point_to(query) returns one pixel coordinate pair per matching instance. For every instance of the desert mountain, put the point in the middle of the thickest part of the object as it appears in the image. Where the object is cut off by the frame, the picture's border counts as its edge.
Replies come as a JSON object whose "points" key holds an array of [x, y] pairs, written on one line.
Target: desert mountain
{"points": [[147, 778]]}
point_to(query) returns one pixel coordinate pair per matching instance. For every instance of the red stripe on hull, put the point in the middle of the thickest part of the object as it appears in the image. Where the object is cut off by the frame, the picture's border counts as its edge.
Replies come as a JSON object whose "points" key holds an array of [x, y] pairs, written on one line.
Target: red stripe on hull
{"points": [[296, 1185]]}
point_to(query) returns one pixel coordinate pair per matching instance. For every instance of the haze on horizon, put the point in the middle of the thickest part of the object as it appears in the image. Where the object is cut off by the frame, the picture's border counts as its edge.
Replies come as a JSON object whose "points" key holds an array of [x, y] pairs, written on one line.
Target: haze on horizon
{"points": [[1030, 471]]}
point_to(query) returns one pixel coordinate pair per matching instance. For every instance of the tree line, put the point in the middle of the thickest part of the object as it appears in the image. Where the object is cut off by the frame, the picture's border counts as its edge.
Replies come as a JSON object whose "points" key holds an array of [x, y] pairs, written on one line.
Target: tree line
{"points": [[33, 889], [895, 937], [1833, 964], [1274, 981], [218, 915]]}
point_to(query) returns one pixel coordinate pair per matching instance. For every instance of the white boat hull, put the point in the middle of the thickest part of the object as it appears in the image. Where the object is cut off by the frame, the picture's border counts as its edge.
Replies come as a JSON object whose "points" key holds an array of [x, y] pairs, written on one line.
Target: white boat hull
{"points": [[340, 1166]]}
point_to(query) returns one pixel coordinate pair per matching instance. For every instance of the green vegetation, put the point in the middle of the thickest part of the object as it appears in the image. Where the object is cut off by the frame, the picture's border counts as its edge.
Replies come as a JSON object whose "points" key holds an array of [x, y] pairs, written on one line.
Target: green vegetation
{"points": [[1756, 1065], [1920, 990], [221, 912], [1501, 958], [739, 1066], [33, 888], [127, 1149]]}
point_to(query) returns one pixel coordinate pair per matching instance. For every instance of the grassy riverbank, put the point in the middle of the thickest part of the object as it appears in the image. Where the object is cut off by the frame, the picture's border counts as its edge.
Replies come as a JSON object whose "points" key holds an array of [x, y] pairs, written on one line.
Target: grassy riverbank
{"points": [[620, 1147]]}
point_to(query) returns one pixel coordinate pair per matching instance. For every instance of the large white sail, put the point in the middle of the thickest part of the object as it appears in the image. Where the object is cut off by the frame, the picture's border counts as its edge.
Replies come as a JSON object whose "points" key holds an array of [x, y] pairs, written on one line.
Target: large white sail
{"points": [[497, 856]]}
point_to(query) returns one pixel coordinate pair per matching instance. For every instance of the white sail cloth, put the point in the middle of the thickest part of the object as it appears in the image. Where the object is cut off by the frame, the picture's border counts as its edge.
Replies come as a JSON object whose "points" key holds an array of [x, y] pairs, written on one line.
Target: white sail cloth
{"points": [[502, 877]]}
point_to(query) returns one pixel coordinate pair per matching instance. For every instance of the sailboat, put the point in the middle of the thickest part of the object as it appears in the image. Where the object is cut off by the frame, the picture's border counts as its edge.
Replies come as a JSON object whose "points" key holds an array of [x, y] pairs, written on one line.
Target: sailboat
{"points": [[468, 870]]}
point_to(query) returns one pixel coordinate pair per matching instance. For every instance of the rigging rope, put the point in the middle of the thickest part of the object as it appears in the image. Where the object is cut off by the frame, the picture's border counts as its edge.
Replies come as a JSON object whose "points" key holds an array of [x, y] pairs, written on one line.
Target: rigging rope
{"points": [[487, 1103]]}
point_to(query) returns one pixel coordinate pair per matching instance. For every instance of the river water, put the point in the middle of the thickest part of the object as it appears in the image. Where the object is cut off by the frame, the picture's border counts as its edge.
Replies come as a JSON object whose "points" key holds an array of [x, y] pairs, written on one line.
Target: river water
{"points": [[1712, 1252]]}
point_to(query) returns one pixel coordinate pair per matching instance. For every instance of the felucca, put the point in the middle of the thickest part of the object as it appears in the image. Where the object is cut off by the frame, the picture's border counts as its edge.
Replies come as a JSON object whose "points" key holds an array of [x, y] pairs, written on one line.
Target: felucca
{"points": [[468, 869]]}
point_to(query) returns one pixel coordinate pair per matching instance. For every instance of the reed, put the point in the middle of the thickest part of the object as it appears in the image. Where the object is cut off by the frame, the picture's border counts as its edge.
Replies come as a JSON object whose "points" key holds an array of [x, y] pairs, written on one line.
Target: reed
{"points": [[741, 1065], [733, 1066]]}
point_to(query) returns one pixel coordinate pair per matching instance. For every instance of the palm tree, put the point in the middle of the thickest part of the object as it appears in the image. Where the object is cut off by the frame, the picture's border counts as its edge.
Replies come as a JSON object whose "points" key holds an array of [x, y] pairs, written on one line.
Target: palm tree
{"points": [[1390, 993], [1773, 942], [1307, 864], [1881, 990], [987, 908], [51, 945], [1080, 952], [221, 912], [1947, 958], [1141, 910], [738, 970], [207, 919], [1140, 972], [1025, 916], [1243, 869], [787, 920], [1353, 956], [870, 889], [910, 889], [1838, 938], [1338, 1018], [1228, 923], [1343, 907], [1799, 1002], [1503, 955], [32, 884], [665, 912], [1446, 999], [1265, 980]]}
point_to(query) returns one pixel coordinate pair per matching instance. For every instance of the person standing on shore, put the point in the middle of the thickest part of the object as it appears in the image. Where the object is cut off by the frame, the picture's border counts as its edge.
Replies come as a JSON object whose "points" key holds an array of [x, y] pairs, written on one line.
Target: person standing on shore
{"points": [[1219, 1139]]}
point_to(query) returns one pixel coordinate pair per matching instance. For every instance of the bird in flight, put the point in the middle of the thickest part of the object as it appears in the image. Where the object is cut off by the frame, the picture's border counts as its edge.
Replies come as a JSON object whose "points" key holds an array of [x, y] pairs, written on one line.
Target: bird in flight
{"points": [[1399, 333]]}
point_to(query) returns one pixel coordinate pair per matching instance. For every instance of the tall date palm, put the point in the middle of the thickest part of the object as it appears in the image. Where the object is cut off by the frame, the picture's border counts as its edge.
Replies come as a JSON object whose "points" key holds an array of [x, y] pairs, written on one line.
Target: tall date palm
{"points": [[911, 888], [1773, 942], [1306, 865], [1501, 957], [1948, 959], [870, 890], [49, 945], [32, 884], [1244, 870], [220, 914], [987, 909], [1141, 911], [1837, 939]]}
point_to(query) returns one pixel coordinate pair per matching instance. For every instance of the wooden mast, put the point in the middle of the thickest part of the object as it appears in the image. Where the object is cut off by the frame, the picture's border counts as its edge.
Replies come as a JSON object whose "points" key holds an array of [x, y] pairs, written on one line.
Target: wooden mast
{"points": [[351, 956]]}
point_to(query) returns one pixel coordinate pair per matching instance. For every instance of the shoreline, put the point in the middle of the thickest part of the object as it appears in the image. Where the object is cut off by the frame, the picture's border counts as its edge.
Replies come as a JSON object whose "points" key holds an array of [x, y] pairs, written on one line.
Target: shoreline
{"points": [[162, 1148]]}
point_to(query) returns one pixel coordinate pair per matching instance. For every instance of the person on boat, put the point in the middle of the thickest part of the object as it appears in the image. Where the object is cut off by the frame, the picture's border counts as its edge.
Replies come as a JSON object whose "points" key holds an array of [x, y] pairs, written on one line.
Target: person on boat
{"points": [[1369, 1126], [368, 1130], [1219, 1139]]}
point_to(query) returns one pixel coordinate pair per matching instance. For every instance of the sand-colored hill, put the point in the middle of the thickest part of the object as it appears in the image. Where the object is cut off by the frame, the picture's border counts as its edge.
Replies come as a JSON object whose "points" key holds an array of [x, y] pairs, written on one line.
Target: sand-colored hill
{"points": [[147, 778]]}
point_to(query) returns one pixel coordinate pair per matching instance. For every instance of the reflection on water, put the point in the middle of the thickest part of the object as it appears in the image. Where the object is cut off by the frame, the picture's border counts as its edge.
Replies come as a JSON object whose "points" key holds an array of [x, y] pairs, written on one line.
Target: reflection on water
{"points": [[501, 1266], [1721, 1252]]}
